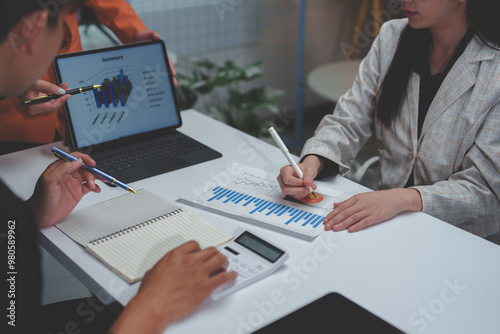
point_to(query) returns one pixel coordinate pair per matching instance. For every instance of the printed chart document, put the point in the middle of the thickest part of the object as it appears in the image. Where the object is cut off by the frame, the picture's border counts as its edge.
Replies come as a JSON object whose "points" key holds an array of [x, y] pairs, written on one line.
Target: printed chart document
{"points": [[130, 233], [255, 194]]}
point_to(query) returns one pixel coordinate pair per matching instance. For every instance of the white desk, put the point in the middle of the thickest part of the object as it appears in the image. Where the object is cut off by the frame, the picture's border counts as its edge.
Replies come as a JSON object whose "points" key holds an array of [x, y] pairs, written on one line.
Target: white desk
{"points": [[401, 270]]}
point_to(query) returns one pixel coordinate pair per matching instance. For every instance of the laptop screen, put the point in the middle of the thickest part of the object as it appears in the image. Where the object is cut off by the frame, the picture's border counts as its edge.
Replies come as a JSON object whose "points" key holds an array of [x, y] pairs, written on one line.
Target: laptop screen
{"points": [[136, 94]]}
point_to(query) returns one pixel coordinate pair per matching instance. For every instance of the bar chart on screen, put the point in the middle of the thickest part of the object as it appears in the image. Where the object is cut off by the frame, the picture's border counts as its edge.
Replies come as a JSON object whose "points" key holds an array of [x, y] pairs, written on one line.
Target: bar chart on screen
{"points": [[113, 91], [255, 194], [116, 88], [124, 91]]}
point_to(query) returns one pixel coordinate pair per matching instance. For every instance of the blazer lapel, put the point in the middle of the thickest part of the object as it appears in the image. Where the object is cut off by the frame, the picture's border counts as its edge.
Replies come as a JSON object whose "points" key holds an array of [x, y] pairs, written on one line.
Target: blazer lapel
{"points": [[459, 80]]}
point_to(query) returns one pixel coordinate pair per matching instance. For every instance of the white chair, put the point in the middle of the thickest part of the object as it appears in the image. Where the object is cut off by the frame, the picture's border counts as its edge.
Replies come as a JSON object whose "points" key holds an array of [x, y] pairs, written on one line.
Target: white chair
{"points": [[332, 80], [363, 174]]}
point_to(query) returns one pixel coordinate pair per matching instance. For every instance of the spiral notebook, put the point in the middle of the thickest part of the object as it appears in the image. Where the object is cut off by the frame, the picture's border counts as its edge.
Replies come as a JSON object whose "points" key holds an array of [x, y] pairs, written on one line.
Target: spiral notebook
{"points": [[130, 233]]}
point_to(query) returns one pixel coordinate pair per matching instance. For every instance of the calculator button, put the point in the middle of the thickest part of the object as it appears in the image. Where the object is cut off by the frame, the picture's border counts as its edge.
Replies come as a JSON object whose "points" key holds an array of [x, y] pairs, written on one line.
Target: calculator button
{"points": [[225, 286], [244, 274]]}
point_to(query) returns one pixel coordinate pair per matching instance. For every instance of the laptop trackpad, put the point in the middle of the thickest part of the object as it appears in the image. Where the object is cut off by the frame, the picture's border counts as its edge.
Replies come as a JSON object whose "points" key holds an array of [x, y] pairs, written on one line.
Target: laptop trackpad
{"points": [[163, 166]]}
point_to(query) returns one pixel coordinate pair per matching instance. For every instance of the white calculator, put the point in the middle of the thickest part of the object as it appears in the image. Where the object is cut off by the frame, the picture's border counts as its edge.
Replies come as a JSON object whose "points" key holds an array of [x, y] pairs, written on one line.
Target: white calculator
{"points": [[252, 257]]}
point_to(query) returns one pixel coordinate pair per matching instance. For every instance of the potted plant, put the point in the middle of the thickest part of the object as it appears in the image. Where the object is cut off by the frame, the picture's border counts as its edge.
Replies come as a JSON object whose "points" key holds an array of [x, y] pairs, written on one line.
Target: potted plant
{"points": [[224, 92]]}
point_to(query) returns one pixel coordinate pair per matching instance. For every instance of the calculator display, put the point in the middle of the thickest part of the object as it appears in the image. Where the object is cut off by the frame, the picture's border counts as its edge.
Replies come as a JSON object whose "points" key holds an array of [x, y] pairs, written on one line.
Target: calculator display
{"points": [[259, 246]]}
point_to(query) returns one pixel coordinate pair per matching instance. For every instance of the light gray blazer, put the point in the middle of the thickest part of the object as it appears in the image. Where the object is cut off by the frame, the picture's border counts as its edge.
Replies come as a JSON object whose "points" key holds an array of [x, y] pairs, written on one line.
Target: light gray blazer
{"points": [[456, 161]]}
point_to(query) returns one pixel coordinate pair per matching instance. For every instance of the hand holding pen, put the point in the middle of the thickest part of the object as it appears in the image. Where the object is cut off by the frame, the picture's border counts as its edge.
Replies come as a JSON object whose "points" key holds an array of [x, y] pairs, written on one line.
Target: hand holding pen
{"points": [[108, 178], [292, 162], [47, 98], [44, 88], [60, 188]]}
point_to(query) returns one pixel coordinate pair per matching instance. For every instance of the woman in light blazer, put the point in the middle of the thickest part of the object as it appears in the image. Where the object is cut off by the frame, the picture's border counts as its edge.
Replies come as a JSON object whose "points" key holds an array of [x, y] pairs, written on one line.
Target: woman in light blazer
{"points": [[428, 90]]}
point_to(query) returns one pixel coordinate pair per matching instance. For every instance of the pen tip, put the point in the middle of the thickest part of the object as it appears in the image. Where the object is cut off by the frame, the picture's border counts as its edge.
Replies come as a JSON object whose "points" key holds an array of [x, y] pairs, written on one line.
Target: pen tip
{"points": [[132, 190]]}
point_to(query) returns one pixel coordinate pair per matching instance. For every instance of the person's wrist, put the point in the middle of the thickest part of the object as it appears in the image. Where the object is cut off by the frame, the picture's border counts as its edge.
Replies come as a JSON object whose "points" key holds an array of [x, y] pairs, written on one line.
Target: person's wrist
{"points": [[158, 317], [410, 199], [140, 316], [31, 205], [41, 217], [314, 162], [416, 203]]}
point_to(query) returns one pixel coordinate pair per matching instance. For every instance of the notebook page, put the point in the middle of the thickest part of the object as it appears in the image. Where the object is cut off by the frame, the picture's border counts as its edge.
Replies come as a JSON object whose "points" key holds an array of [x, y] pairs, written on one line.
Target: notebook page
{"points": [[132, 253], [113, 215]]}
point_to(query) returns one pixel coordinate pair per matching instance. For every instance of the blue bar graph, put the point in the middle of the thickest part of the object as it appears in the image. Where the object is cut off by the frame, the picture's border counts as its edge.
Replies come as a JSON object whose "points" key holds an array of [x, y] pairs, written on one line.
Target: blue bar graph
{"points": [[113, 91], [260, 207]]}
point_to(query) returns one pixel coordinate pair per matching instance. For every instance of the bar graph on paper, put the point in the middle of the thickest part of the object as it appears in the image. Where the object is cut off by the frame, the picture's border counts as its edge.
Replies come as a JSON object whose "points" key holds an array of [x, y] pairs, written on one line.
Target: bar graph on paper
{"points": [[255, 194]]}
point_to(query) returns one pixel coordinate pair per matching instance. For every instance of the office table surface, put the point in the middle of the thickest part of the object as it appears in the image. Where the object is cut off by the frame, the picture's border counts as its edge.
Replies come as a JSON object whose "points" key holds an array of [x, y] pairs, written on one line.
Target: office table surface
{"points": [[418, 273]]}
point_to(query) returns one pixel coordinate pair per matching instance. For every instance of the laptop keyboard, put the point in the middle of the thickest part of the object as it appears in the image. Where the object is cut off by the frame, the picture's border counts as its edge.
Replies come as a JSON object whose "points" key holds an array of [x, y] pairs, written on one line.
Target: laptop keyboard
{"points": [[155, 151]]}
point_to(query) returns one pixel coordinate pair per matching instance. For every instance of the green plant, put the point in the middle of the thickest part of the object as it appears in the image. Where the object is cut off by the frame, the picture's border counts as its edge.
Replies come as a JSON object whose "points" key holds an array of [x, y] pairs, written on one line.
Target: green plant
{"points": [[222, 93]]}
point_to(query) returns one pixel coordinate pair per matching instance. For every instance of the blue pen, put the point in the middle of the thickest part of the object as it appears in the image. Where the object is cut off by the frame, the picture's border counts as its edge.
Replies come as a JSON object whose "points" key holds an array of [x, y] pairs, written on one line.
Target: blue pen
{"points": [[68, 157]]}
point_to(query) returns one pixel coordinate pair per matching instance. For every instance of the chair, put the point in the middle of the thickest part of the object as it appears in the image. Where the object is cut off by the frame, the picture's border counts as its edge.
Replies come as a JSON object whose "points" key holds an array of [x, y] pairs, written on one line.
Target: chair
{"points": [[363, 173], [332, 80], [87, 18]]}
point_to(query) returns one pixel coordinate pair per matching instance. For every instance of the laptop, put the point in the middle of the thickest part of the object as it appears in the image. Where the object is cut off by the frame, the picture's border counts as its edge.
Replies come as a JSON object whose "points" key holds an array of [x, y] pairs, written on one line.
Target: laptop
{"points": [[129, 124]]}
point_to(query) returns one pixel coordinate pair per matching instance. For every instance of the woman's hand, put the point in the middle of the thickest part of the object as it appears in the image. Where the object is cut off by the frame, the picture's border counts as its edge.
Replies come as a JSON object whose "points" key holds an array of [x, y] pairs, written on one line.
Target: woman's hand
{"points": [[41, 88], [150, 35], [363, 210], [59, 189], [292, 185], [146, 35], [174, 288]]}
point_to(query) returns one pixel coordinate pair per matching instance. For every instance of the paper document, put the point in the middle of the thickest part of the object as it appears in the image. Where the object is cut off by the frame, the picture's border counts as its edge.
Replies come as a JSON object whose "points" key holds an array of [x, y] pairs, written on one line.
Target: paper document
{"points": [[255, 194]]}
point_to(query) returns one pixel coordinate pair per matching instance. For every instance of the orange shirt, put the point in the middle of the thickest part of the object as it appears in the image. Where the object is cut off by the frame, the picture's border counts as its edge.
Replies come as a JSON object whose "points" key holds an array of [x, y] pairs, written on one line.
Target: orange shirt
{"points": [[16, 125]]}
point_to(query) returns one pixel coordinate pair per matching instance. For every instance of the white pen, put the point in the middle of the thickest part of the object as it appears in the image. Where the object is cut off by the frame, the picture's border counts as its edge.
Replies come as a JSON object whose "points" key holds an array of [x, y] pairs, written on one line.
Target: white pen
{"points": [[285, 151]]}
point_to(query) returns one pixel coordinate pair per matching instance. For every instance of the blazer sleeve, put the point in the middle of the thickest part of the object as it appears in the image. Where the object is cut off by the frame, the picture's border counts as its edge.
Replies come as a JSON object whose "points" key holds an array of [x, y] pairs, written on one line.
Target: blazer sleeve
{"points": [[472, 194], [341, 135], [119, 16]]}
